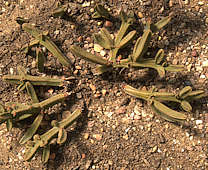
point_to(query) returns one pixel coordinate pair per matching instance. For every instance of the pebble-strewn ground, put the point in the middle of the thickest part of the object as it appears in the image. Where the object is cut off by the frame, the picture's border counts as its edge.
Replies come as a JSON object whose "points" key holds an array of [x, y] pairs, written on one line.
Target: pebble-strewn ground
{"points": [[116, 131]]}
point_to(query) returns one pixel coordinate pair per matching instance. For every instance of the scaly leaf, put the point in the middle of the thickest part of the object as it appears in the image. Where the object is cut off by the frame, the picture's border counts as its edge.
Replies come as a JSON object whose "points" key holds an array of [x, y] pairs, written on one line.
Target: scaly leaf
{"points": [[9, 124], [166, 110], [62, 136], [160, 24], [159, 58], [142, 45], [163, 115], [104, 39], [106, 35], [184, 91], [194, 95], [126, 39], [127, 20], [186, 106], [40, 59], [88, 56], [32, 130], [31, 92], [46, 154]]}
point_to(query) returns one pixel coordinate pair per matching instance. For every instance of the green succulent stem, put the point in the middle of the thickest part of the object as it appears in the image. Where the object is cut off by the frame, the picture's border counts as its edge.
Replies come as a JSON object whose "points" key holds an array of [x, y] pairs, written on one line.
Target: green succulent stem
{"points": [[48, 43], [46, 137]]}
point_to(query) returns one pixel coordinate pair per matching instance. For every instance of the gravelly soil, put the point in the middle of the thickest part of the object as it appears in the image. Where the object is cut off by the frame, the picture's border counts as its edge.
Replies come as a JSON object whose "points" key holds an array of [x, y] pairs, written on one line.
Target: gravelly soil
{"points": [[116, 131]]}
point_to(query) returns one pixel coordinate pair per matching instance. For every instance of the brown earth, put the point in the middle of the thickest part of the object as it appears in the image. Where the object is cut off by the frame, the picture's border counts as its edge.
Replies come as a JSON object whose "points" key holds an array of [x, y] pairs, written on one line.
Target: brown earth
{"points": [[116, 131]]}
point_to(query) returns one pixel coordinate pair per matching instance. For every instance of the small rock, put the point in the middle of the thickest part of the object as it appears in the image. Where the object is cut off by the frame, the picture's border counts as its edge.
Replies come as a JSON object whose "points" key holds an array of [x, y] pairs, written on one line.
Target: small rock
{"points": [[147, 3], [90, 124], [102, 53], [97, 48], [202, 76], [97, 136], [199, 122], [79, 95], [201, 3], [206, 20], [121, 110], [52, 156], [99, 23], [104, 91], [136, 110], [199, 68], [170, 3], [189, 67], [175, 61], [144, 114], [80, 39], [108, 24], [154, 149], [140, 15], [186, 2], [86, 4], [200, 126], [88, 164], [194, 53], [33, 64], [97, 94], [78, 67], [86, 135], [83, 156], [93, 88], [137, 117], [56, 32], [205, 63], [126, 137]]}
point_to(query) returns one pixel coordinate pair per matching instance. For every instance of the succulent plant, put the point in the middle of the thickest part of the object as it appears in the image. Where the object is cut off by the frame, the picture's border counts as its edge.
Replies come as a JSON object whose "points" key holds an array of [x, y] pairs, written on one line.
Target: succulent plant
{"points": [[101, 12], [137, 58], [43, 39], [46, 139], [13, 112], [23, 78], [156, 101]]}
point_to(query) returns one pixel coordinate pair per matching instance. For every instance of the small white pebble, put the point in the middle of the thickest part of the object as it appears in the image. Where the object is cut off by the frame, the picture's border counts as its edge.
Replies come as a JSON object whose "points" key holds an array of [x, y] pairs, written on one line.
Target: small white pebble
{"points": [[92, 10], [86, 4], [191, 137], [7, 3], [205, 63], [102, 53], [199, 122], [11, 70], [3, 10], [202, 76], [97, 48], [99, 23], [201, 3], [56, 32]]}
